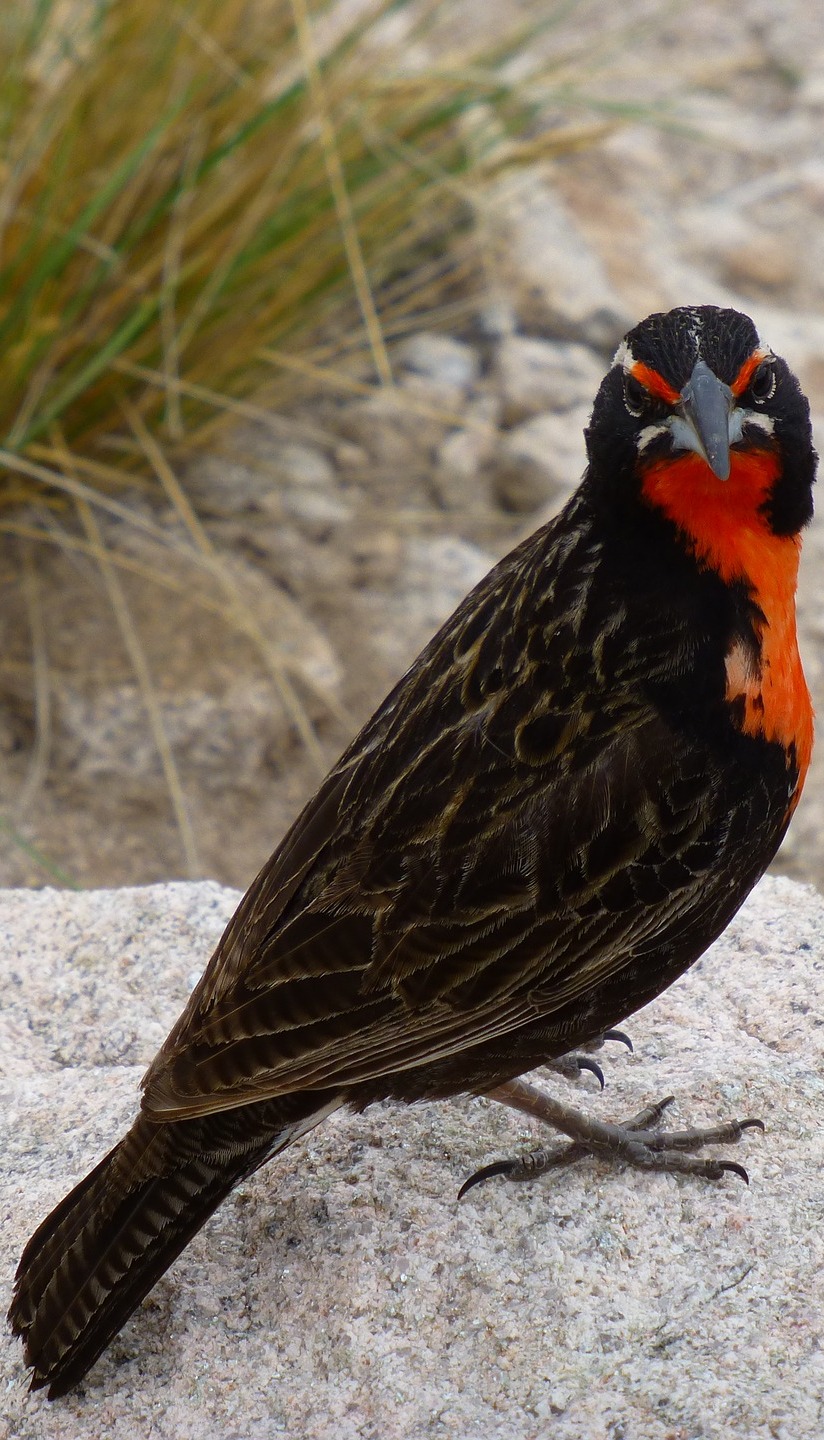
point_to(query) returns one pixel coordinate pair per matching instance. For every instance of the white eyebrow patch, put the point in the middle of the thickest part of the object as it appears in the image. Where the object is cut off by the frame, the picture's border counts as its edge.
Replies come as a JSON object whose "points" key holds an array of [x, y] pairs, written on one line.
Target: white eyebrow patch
{"points": [[623, 357]]}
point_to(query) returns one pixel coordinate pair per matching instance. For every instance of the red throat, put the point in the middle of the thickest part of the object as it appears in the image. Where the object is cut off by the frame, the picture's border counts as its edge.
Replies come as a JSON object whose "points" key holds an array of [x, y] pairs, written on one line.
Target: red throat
{"points": [[723, 521]]}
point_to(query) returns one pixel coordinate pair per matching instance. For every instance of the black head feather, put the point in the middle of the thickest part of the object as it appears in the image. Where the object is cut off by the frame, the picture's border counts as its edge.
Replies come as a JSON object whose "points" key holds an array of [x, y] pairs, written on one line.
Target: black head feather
{"points": [[670, 343]]}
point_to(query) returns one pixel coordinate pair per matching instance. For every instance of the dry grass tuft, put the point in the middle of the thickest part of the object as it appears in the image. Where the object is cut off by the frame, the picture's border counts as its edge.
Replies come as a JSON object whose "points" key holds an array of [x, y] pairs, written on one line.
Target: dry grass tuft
{"points": [[194, 194]]}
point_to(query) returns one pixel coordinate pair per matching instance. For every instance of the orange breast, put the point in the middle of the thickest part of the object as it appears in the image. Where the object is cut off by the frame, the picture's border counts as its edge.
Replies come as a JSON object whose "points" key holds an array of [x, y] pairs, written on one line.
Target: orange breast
{"points": [[722, 520]]}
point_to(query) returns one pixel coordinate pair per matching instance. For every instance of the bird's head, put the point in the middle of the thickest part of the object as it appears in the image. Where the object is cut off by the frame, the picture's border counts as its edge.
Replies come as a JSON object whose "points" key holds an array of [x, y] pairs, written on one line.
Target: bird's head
{"points": [[697, 416]]}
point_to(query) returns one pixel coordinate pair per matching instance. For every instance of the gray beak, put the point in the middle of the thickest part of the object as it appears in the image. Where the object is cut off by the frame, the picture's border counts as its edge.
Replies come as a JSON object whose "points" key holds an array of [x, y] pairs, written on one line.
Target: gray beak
{"points": [[706, 404]]}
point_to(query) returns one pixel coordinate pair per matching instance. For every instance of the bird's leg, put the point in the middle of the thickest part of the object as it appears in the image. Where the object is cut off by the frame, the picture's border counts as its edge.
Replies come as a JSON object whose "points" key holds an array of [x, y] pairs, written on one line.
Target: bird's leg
{"points": [[638, 1141], [572, 1064]]}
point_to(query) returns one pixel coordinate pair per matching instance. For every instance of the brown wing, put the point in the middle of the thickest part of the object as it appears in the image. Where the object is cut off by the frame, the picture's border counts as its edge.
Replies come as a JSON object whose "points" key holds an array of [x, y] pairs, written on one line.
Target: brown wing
{"points": [[500, 837]]}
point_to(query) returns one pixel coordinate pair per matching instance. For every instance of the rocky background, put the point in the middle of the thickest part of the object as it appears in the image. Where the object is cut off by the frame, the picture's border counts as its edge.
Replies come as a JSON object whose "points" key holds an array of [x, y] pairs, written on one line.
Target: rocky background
{"points": [[353, 524]]}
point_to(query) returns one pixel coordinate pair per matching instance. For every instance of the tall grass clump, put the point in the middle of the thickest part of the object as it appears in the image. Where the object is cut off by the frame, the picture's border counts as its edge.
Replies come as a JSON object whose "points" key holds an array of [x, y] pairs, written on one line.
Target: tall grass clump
{"points": [[189, 189], [183, 183]]}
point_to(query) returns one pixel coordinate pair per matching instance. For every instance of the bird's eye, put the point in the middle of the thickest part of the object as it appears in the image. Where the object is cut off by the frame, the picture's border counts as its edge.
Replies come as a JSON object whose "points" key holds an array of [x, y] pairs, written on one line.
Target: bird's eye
{"points": [[762, 385], [636, 396]]}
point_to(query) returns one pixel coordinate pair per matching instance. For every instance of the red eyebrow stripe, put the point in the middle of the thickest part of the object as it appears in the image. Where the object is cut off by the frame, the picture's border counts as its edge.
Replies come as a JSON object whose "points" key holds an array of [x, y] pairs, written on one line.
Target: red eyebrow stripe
{"points": [[747, 371], [654, 383]]}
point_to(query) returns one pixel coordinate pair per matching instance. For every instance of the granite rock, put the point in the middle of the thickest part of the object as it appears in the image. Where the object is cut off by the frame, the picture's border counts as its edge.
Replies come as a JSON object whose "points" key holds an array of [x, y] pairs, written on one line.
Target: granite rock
{"points": [[344, 1292]]}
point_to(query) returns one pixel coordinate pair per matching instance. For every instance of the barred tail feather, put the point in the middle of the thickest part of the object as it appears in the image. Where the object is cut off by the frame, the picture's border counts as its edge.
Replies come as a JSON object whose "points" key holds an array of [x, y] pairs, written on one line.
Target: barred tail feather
{"points": [[95, 1257]]}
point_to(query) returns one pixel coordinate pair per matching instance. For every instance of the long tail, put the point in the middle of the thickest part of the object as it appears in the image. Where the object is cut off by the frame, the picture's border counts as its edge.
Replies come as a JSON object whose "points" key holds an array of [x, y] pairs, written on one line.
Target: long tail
{"points": [[90, 1263]]}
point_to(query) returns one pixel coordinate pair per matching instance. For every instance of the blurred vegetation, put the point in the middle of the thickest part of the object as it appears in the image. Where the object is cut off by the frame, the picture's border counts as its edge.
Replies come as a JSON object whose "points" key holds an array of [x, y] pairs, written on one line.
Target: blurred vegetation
{"points": [[184, 183], [201, 202]]}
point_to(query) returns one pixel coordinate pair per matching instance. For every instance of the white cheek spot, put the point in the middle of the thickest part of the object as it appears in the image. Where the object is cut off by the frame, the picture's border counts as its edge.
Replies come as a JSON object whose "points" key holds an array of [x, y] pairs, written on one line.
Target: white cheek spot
{"points": [[650, 433], [740, 417], [684, 437]]}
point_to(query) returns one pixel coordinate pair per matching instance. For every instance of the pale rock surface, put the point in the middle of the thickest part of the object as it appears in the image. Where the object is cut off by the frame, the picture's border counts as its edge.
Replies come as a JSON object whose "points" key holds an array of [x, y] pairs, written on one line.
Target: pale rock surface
{"points": [[541, 460], [439, 358], [225, 738], [391, 430], [570, 297], [462, 458], [433, 576], [536, 375], [343, 1292]]}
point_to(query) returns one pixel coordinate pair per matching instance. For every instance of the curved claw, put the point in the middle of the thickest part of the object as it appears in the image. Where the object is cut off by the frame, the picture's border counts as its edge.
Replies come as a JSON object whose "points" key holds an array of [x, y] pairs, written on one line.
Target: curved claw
{"points": [[498, 1167], [621, 1037], [734, 1169], [584, 1063], [649, 1117]]}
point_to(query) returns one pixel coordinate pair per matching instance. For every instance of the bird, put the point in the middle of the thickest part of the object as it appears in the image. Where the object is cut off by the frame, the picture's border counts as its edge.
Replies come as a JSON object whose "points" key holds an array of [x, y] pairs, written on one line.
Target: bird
{"points": [[552, 815]]}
